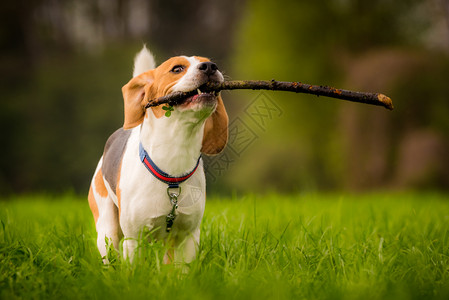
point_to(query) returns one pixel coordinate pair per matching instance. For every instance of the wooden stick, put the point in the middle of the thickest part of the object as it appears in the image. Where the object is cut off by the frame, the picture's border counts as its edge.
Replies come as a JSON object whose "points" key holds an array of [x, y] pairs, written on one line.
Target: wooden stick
{"points": [[273, 85]]}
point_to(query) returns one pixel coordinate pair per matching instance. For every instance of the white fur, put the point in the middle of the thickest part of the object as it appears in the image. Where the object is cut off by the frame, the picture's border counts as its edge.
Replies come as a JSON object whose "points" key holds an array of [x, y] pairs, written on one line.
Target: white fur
{"points": [[191, 79], [144, 61], [174, 144], [144, 198]]}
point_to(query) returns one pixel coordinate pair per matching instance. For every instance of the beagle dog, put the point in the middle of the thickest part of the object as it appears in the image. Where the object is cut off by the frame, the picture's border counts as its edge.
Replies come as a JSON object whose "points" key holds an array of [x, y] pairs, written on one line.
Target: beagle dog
{"points": [[151, 175]]}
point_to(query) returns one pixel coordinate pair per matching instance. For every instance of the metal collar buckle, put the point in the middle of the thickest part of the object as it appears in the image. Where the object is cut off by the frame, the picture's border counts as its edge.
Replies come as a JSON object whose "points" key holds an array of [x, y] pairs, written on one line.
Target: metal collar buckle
{"points": [[173, 192]]}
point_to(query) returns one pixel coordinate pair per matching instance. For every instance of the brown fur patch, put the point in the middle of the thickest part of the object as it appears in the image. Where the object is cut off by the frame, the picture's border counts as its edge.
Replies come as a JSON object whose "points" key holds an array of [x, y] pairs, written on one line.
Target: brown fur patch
{"points": [[149, 85], [202, 59], [216, 130], [157, 111], [93, 204], [134, 95], [100, 188]]}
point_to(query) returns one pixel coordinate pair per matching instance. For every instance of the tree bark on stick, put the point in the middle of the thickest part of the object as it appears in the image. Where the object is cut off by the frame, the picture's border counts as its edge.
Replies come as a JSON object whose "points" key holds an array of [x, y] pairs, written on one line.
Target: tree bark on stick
{"points": [[273, 85]]}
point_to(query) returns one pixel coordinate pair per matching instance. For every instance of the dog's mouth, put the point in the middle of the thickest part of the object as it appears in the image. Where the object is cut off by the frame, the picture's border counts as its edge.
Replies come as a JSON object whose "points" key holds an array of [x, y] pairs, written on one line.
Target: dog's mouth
{"points": [[199, 97]]}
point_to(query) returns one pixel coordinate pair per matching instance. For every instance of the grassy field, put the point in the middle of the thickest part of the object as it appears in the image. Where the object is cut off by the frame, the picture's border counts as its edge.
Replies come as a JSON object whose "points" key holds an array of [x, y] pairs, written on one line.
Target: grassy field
{"points": [[379, 246]]}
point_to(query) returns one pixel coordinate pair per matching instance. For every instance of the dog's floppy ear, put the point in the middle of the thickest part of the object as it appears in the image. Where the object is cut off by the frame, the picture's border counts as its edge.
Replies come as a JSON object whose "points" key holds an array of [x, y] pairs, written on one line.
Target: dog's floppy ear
{"points": [[216, 130], [136, 94]]}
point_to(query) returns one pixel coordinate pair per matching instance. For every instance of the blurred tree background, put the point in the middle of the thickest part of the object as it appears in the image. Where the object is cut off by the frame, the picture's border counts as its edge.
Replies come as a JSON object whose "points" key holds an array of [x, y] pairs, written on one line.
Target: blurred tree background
{"points": [[63, 64]]}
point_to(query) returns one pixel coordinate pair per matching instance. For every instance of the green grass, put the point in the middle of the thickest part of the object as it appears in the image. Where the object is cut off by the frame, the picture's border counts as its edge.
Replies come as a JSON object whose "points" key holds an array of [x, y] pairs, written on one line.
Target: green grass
{"points": [[379, 246]]}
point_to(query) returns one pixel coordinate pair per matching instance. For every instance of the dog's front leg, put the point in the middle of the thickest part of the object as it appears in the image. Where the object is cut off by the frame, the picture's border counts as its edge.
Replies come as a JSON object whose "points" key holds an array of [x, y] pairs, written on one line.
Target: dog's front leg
{"points": [[108, 229], [129, 248], [131, 233]]}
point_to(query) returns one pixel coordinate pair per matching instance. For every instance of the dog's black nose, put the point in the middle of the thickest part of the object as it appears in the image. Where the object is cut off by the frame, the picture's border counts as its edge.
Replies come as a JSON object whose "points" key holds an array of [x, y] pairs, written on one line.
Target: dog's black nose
{"points": [[209, 68]]}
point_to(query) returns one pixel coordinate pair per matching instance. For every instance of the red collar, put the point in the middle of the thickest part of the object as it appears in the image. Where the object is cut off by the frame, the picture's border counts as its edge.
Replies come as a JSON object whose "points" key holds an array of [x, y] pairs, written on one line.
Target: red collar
{"points": [[172, 181]]}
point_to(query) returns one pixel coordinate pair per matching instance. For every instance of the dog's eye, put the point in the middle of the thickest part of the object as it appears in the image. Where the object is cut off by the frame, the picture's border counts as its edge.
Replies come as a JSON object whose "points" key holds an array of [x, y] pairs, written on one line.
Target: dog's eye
{"points": [[177, 69]]}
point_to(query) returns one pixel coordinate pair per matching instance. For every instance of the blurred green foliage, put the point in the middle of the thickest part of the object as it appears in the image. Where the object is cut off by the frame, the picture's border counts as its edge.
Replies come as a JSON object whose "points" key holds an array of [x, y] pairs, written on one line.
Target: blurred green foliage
{"points": [[64, 63], [61, 119], [322, 42]]}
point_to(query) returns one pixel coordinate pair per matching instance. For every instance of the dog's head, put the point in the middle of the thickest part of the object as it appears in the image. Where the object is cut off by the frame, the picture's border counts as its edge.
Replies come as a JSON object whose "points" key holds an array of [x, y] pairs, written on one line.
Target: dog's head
{"points": [[177, 74]]}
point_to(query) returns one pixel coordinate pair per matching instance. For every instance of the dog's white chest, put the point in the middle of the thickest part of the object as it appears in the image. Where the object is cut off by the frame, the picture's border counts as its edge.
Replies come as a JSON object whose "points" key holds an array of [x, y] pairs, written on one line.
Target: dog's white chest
{"points": [[146, 204], [151, 211]]}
